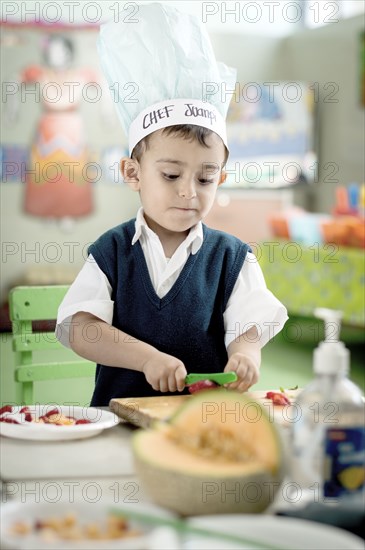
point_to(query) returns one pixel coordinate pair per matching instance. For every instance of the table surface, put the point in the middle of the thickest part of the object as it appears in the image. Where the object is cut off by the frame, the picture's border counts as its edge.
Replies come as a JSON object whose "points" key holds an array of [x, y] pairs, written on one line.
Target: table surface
{"points": [[97, 468], [306, 277], [107, 454]]}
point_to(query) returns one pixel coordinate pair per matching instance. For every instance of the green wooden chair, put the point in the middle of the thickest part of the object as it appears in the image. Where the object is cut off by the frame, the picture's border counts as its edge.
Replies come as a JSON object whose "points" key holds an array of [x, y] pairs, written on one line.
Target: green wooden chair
{"points": [[40, 303]]}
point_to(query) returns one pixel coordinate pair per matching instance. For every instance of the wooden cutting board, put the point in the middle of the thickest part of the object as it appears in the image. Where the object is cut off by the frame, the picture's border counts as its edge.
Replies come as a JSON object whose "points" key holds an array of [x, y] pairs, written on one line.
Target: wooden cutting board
{"points": [[143, 411]]}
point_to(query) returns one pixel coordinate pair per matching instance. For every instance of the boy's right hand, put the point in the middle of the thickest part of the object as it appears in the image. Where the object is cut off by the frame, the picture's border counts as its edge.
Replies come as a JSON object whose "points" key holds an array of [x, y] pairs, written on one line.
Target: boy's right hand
{"points": [[165, 373]]}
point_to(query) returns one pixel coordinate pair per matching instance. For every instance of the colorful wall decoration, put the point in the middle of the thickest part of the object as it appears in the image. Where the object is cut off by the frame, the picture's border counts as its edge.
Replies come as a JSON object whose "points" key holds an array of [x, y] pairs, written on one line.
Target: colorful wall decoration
{"points": [[271, 134]]}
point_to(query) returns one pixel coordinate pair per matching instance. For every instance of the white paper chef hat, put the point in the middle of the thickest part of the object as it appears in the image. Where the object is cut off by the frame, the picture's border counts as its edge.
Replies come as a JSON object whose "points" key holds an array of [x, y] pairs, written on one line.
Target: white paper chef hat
{"points": [[162, 70]]}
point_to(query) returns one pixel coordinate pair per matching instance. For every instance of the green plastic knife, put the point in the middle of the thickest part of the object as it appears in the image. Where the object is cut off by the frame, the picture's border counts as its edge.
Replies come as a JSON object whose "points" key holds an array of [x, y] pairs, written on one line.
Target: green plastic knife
{"points": [[217, 377]]}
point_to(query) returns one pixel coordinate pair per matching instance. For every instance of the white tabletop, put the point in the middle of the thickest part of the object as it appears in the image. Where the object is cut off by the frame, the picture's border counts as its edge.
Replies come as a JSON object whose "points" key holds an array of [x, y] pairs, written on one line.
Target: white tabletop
{"points": [[93, 469], [100, 470], [106, 454]]}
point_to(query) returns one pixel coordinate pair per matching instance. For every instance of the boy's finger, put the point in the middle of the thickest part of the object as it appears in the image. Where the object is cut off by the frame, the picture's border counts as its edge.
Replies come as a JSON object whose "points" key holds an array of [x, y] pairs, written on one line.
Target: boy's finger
{"points": [[232, 385], [242, 387], [172, 382], [231, 365], [180, 375], [164, 387]]}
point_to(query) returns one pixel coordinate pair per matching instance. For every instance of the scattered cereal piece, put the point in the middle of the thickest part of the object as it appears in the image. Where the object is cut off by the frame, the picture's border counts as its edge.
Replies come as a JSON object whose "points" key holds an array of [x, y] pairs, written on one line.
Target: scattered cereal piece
{"points": [[54, 529], [21, 528]]}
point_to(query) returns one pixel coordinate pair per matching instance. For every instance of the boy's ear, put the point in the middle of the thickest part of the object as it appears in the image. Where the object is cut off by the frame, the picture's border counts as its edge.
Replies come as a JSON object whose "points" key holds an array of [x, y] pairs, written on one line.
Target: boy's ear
{"points": [[130, 172], [223, 177]]}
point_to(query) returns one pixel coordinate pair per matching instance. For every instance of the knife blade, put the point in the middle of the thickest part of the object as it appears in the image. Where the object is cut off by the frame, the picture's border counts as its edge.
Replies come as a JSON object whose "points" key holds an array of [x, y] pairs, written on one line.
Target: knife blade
{"points": [[217, 377]]}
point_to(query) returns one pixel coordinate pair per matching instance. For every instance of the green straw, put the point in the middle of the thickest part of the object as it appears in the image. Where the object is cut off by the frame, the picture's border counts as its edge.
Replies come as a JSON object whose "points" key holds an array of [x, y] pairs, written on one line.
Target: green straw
{"points": [[184, 528]]}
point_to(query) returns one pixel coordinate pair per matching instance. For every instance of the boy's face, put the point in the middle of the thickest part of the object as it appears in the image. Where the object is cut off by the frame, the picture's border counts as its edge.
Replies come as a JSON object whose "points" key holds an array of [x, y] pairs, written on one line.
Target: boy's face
{"points": [[177, 180]]}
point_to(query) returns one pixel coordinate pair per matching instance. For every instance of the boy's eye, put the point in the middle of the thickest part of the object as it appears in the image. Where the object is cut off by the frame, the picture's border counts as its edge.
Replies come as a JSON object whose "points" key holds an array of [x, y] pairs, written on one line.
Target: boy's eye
{"points": [[204, 181], [170, 176]]}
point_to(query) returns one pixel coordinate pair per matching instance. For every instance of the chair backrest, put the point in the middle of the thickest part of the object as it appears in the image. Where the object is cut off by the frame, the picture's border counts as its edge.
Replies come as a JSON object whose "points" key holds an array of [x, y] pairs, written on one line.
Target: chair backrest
{"points": [[39, 303]]}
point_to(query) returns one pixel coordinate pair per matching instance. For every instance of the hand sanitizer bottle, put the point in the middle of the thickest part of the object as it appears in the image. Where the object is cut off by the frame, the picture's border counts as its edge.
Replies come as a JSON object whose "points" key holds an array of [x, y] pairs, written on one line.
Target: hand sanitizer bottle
{"points": [[328, 435]]}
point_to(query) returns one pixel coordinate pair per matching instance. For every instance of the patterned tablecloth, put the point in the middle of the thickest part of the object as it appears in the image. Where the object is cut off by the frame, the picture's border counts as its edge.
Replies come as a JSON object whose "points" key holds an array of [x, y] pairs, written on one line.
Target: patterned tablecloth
{"points": [[306, 277]]}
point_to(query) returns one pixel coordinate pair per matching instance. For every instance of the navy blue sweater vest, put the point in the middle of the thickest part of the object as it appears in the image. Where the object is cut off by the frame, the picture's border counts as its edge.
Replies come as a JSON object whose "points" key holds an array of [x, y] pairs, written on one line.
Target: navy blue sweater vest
{"points": [[186, 323]]}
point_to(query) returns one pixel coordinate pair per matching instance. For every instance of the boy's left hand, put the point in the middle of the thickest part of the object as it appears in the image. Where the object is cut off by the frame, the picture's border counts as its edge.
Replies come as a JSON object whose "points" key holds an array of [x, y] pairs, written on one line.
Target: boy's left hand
{"points": [[246, 369]]}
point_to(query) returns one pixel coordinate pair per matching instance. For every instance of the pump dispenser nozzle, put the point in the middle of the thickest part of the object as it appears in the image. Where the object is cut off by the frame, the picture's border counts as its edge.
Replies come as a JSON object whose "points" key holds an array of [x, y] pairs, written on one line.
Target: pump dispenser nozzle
{"points": [[331, 356], [332, 323]]}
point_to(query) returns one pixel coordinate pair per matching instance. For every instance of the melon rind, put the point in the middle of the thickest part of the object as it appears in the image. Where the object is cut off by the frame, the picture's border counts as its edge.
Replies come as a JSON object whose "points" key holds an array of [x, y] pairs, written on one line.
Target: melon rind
{"points": [[180, 481]]}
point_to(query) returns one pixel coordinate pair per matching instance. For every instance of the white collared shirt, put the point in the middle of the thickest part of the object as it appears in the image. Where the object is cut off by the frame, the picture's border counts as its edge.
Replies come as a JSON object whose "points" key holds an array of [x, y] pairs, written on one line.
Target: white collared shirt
{"points": [[251, 303], [165, 271]]}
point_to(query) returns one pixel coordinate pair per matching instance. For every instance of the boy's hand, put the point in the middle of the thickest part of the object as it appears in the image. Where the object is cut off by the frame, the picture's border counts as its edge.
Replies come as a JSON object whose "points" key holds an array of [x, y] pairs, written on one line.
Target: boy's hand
{"points": [[246, 369], [165, 373]]}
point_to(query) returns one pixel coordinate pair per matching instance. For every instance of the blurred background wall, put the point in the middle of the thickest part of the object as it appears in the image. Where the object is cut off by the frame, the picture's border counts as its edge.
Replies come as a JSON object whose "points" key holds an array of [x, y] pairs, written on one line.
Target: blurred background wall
{"points": [[282, 48], [326, 55]]}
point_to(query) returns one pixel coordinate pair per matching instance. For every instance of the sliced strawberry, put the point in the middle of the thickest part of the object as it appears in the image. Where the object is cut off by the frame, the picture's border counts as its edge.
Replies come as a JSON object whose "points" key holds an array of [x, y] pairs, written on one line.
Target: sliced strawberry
{"points": [[6, 409], [52, 412], [202, 385], [82, 421], [278, 398], [8, 420], [27, 414]]}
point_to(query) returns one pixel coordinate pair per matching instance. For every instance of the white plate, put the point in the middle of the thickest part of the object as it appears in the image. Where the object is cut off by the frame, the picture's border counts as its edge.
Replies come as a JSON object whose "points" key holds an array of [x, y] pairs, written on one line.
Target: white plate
{"points": [[97, 513], [274, 531], [99, 421]]}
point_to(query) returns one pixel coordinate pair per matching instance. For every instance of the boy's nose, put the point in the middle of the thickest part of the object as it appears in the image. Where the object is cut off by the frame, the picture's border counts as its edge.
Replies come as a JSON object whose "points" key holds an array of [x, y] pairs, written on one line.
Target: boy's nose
{"points": [[187, 190]]}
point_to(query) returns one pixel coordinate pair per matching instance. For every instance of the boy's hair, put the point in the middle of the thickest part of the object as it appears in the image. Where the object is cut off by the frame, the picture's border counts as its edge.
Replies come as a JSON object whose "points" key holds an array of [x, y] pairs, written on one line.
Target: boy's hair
{"points": [[191, 132]]}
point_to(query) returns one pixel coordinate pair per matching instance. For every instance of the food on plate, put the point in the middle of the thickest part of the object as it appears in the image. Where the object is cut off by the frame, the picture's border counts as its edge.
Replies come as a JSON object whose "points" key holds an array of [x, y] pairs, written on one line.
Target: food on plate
{"points": [[8, 420], [54, 417], [69, 527], [202, 385], [27, 414], [219, 453], [278, 398]]}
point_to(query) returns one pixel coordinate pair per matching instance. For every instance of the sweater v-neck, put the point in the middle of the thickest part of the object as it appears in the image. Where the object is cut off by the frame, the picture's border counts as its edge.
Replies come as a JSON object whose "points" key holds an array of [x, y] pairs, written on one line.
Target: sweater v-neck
{"points": [[177, 286]]}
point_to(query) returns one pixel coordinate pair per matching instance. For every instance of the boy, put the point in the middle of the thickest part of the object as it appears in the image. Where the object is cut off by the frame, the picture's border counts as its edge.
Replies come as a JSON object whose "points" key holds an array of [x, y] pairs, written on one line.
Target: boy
{"points": [[163, 293]]}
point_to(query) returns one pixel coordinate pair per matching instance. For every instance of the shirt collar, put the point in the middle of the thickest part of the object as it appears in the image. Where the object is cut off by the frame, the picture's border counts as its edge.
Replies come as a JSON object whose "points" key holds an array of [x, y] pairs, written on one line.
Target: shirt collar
{"points": [[194, 238]]}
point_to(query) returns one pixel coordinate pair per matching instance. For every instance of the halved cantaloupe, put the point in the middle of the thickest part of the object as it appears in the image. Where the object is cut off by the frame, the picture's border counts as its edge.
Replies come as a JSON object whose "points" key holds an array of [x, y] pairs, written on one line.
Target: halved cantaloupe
{"points": [[219, 453]]}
